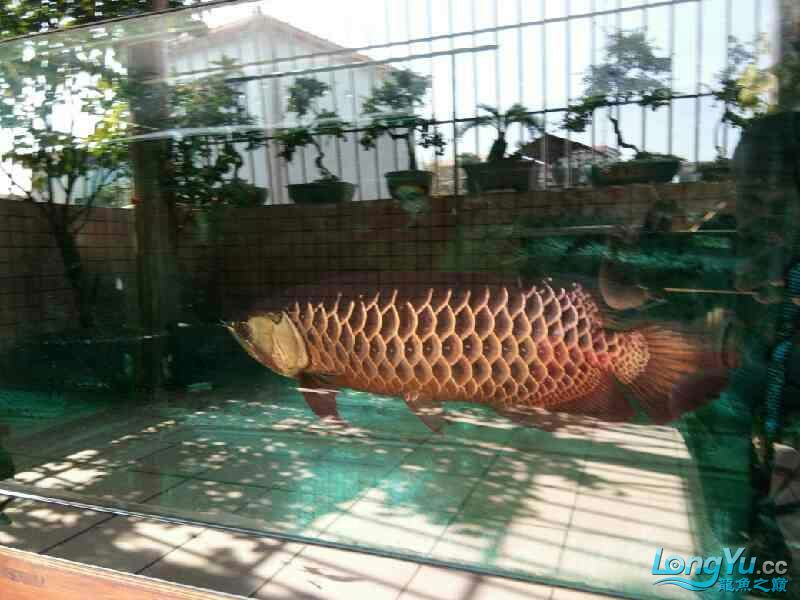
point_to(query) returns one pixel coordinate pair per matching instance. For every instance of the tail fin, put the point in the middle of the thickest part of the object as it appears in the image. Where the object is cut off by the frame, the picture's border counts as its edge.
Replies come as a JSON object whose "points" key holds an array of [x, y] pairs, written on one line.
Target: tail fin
{"points": [[683, 369]]}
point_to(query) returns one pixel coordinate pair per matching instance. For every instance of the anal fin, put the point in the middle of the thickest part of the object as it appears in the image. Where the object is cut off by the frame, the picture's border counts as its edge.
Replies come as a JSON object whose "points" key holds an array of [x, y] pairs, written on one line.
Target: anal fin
{"points": [[538, 418], [606, 402], [430, 413]]}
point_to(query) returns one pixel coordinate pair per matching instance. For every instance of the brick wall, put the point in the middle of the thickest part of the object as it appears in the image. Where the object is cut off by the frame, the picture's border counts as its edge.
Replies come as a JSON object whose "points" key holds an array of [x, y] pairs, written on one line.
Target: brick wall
{"points": [[35, 295], [267, 249], [255, 252]]}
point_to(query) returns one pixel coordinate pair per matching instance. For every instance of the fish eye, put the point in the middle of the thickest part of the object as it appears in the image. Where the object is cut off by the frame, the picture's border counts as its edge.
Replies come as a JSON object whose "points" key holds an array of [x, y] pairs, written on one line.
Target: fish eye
{"points": [[275, 317]]}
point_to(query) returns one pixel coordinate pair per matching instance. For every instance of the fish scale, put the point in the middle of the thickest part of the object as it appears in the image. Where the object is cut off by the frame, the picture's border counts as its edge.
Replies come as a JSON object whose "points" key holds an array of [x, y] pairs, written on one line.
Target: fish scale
{"points": [[507, 348]]}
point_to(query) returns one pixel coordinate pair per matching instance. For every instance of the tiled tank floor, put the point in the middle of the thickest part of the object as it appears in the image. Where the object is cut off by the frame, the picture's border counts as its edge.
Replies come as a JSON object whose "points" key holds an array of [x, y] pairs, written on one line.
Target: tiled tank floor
{"points": [[253, 567], [582, 505]]}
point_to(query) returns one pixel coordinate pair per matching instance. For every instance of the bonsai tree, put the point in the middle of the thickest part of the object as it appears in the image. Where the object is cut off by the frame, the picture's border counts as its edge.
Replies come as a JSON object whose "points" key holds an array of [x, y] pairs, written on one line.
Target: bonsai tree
{"points": [[313, 124], [499, 171], [631, 72], [204, 169], [501, 121], [392, 108]]}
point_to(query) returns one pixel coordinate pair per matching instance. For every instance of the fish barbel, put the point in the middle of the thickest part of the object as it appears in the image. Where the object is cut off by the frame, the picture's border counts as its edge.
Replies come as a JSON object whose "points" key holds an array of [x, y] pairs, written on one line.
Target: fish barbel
{"points": [[518, 349]]}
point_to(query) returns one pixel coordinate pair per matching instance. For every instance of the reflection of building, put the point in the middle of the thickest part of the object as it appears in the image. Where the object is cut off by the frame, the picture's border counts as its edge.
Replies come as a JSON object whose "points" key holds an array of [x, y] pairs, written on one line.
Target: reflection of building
{"points": [[271, 50], [566, 161]]}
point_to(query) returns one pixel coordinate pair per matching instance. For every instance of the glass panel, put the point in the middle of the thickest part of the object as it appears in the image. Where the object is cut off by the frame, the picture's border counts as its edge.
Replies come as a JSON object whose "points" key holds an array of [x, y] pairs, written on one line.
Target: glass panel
{"points": [[267, 266]]}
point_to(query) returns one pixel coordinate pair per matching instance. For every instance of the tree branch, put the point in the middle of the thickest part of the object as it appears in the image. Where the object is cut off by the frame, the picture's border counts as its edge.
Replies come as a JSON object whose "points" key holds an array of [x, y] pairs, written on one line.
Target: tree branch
{"points": [[84, 212], [622, 143]]}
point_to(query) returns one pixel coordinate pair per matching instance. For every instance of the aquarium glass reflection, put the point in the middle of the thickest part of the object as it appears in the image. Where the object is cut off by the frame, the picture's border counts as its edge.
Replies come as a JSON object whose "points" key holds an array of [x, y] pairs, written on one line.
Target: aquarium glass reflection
{"points": [[505, 286]]}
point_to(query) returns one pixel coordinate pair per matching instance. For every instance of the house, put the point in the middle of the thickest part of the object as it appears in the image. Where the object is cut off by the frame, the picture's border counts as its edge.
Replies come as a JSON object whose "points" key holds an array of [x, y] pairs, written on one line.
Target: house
{"points": [[560, 156]]}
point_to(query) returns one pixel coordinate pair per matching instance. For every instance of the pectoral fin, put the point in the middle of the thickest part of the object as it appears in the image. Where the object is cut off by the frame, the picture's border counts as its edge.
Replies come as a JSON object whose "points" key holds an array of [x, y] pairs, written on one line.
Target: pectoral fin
{"points": [[320, 400], [430, 413], [619, 288]]}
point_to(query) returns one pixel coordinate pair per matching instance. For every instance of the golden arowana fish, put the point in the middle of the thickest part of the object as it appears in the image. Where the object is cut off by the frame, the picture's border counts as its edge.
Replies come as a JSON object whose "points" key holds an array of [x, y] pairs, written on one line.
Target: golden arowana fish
{"points": [[518, 349]]}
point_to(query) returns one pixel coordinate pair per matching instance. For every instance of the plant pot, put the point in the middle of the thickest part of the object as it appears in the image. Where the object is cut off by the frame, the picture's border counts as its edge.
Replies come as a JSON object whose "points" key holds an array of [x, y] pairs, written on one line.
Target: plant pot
{"points": [[509, 173], [718, 170], [409, 184], [642, 170], [321, 192], [243, 194]]}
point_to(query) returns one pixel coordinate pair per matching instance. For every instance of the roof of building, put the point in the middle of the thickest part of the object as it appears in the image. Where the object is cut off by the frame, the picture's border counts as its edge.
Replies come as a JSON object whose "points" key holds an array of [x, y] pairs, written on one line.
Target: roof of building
{"points": [[258, 22], [557, 147]]}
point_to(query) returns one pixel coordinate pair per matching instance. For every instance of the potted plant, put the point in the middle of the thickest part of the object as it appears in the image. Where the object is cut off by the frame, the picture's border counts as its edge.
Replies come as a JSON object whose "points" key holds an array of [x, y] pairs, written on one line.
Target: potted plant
{"points": [[392, 107], [631, 73], [313, 124], [739, 89], [501, 171]]}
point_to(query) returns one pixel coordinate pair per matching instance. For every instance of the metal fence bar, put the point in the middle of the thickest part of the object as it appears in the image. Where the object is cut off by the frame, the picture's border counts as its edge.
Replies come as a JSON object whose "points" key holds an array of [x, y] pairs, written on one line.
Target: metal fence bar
{"points": [[497, 54], [643, 109], [670, 107], [454, 124], [520, 66], [618, 108], [250, 160], [429, 8], [592, 60], [454, 91], [303, 157], [728, 32], [336, 143], [356, 152], [568, 90], [699, 75], [388, 25], [543, 49], [376, 153], [259, 49], [474, 9], [282, 170]]}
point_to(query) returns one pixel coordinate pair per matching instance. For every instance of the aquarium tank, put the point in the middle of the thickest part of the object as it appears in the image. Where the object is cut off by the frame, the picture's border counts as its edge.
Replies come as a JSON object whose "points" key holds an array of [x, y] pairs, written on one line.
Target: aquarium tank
{"points": [[510, 288]]}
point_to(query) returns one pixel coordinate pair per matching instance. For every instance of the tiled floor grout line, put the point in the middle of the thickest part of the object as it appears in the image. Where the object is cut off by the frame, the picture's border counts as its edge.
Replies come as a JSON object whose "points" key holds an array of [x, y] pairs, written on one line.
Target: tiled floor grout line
{"points": [[75, 534], [331, 524], [568, 526], [407, 583], [455, 515], [111, 516], [170, 551]]}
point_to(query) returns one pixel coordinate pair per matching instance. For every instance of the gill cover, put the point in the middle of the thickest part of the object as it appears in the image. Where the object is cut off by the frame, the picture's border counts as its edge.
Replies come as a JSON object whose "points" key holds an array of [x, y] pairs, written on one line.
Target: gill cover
{"points": [[273, 340]]}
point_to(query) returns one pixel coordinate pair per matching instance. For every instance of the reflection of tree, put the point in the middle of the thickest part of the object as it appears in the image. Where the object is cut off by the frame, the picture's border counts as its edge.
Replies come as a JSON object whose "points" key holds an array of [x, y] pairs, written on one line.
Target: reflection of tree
{"points": [[312, 123], [211, 120], [69, 113], [19, 18], [392, 108], [39, 88], [632, 72]]}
